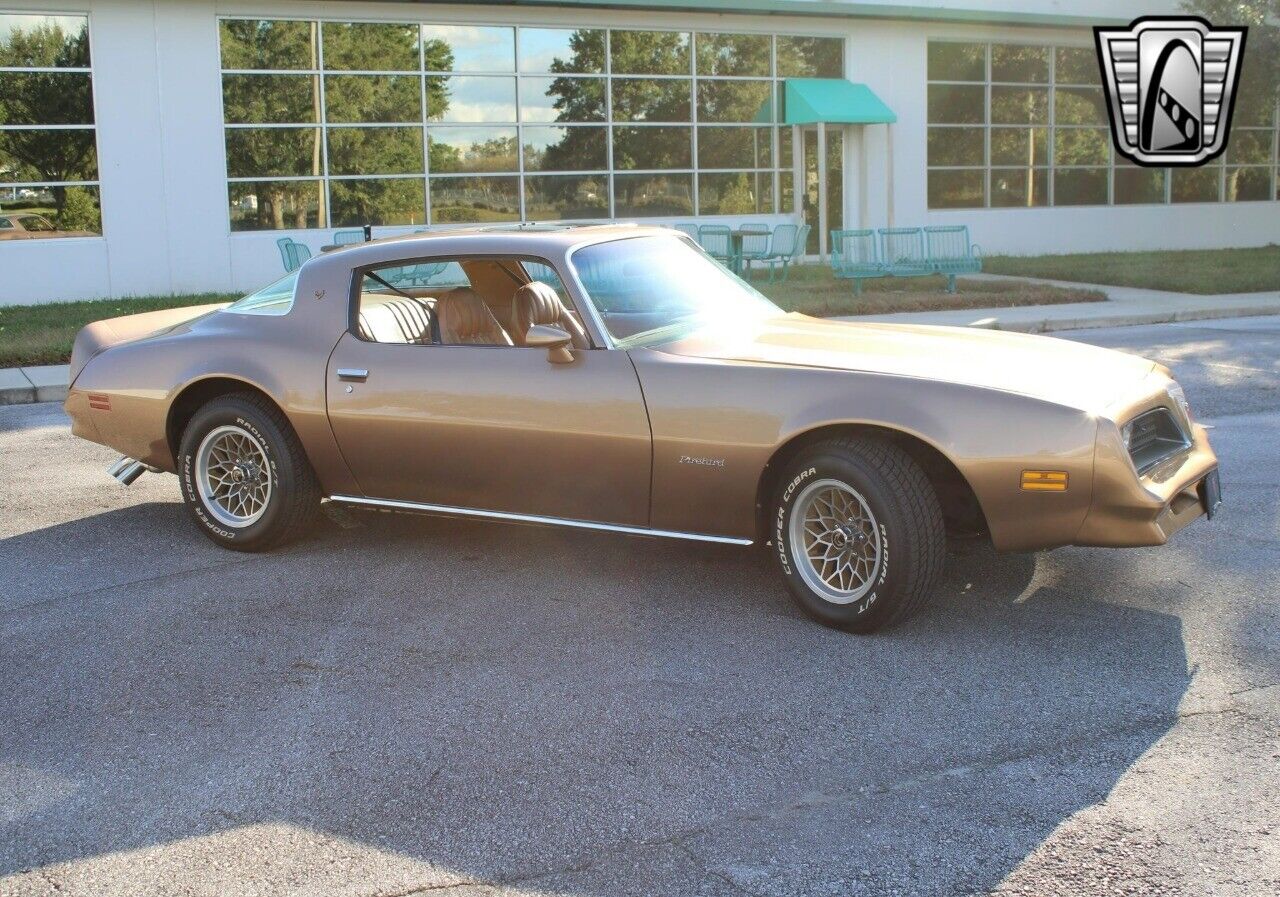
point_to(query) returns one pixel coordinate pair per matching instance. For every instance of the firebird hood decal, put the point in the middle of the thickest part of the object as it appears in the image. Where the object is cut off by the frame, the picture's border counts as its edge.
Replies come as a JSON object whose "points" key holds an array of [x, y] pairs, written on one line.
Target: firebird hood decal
{"points": [[1055, 370]]}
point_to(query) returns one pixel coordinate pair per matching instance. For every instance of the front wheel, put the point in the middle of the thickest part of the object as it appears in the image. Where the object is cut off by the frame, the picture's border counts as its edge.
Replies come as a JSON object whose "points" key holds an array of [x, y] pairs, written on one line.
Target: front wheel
{"points": [[245, 479], [858, 533]]}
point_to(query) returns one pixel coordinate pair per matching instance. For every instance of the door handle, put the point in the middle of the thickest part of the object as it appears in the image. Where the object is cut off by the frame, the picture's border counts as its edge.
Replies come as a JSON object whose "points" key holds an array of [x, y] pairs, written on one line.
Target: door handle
{"points": [[357, 374]]}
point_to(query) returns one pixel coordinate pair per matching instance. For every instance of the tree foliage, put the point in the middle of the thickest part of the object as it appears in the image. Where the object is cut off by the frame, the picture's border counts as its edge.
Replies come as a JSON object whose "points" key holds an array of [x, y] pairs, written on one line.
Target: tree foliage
{"points": [[1260, 65], [46, 98]]}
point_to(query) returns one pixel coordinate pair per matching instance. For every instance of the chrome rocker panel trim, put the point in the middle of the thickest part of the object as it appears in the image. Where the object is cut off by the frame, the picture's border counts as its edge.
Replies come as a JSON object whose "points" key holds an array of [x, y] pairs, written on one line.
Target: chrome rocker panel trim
{"points": [[450, 511]]}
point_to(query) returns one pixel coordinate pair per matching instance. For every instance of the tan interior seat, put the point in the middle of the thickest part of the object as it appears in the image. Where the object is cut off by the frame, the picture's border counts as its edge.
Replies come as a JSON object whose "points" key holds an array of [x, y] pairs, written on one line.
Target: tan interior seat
{"points": [[537, 303], [466, 320], [400, 320]]}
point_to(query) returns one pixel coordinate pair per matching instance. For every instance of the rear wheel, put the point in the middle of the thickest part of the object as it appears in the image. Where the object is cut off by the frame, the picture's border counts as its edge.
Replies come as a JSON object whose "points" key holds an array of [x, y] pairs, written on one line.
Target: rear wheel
{"points": [[245, 479], [858, 533]]}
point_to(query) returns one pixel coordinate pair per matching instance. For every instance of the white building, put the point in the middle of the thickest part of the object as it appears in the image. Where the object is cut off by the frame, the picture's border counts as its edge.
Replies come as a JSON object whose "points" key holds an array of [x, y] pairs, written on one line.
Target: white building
{"points": [[180, 140]]}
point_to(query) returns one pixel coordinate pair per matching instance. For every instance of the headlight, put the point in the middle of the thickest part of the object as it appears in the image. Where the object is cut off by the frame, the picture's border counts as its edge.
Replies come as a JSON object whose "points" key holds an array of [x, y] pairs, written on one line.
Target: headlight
{"points": [[1180, 399]]}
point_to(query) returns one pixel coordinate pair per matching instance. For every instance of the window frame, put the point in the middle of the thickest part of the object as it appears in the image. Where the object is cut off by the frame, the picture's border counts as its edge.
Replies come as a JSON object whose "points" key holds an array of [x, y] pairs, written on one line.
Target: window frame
{"points": [[94, 184], [1051, 167], [519, 74], [358, 275]]}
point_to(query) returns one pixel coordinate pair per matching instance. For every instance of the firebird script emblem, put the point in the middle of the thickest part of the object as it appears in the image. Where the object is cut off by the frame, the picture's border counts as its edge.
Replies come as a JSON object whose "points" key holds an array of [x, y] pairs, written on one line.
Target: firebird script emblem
{"points": [[1170, 84]]}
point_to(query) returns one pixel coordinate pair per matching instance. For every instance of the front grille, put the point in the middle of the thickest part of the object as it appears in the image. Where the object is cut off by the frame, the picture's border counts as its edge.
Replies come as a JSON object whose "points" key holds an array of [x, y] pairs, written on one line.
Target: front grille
{"points": [[1154, 436]]}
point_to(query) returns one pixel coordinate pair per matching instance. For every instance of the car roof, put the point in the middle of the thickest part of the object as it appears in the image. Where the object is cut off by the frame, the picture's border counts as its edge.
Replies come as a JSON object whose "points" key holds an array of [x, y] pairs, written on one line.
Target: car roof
{"points": [[514, 239]]}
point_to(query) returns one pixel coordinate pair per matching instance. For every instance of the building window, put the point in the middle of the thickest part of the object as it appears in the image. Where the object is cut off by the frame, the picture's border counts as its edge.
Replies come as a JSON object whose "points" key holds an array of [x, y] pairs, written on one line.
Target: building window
{"points": [[1014, 125], [335, 124], [48, 145]]}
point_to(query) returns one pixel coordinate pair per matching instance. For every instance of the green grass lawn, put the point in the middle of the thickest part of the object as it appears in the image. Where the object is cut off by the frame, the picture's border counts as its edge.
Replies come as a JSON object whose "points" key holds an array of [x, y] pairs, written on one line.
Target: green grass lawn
{"points": [[1203, 271], [812, 289], [42, 334]]}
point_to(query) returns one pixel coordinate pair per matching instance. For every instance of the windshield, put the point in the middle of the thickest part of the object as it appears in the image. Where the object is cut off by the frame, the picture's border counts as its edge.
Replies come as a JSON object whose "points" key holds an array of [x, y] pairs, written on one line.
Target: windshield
{"points": [[651, 290], [276, 299]]}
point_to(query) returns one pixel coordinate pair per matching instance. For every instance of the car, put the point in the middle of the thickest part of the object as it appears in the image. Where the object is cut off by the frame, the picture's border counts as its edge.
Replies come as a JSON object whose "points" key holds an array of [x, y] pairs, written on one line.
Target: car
{"points": [[617, 378], [30, 226]]}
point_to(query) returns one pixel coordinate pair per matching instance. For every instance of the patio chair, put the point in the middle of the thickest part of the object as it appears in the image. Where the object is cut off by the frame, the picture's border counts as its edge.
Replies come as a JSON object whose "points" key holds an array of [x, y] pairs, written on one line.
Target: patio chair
{"points": [[785, 245], [688, 228], [717, 240], [755, 245], [347, 237], [950, 252], [854, 257], [292, 253]]}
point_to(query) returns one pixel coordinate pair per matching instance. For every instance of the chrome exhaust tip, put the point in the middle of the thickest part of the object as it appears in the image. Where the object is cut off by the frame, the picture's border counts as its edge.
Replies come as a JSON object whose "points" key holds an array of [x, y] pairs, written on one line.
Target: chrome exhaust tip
{"points": [[126, 470]]}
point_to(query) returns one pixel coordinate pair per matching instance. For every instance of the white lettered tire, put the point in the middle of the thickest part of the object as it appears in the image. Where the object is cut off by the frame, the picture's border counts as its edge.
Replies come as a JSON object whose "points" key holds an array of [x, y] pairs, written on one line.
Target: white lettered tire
{"points": [[858, 533], [245, 479]]}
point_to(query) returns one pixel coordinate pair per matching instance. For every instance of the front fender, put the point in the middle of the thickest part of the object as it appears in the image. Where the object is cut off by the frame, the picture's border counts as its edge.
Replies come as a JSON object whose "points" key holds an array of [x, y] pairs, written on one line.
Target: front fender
{"points": [[744, 414]]}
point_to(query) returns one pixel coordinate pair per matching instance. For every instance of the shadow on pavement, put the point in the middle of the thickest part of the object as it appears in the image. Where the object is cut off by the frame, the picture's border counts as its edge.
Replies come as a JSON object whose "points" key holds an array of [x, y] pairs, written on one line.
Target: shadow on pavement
{"points": [[423, 703]]}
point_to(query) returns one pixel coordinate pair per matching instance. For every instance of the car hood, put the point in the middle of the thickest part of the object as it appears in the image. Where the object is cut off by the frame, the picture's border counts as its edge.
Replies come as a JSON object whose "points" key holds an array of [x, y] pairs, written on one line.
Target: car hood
{"points": [[1060, 371]]}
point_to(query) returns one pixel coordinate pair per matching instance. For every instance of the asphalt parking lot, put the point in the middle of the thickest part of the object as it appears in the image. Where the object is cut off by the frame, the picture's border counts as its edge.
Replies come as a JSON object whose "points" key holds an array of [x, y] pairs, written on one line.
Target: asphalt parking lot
{"points": [[464, 709]]}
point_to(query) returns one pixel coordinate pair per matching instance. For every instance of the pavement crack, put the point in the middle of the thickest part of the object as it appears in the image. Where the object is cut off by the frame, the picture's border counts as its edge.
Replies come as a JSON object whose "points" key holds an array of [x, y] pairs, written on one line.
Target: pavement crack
{"points": [[1248, 689], [434, 889]]}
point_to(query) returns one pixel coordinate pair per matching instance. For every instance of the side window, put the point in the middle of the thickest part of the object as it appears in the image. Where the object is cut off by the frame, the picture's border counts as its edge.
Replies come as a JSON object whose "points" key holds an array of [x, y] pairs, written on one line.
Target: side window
{"points": [[398, 302], [490, 301], [275, 299], [36, 224], [6, 224], [544, 273]]}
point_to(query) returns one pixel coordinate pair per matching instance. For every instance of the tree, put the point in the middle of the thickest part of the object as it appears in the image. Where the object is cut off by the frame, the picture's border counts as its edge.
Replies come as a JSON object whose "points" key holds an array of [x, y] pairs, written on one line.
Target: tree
{"points": [[1259, 89], [47, 98], [1260, 65], [79, 212], [295, 99]]}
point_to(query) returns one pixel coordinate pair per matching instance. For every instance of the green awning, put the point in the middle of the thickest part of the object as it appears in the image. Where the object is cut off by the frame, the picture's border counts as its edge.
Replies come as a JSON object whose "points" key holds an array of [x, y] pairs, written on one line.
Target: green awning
{"points": [[834, 101]]}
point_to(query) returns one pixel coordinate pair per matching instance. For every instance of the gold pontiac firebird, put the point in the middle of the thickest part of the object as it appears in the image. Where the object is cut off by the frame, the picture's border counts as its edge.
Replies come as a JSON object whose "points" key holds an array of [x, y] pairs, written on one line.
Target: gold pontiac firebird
{"points": [[617, 378]]}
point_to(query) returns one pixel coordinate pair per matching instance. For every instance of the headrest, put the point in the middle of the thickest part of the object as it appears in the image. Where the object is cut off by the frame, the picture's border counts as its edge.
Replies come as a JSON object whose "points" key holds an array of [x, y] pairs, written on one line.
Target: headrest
{"points": [[536, 303], [464, 318]]}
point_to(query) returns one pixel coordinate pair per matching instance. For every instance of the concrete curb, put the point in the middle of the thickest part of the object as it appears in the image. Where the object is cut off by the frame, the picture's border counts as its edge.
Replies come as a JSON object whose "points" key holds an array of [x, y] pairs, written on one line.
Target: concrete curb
{"points": [[1120, 319], [40, 383], [15, 388]]}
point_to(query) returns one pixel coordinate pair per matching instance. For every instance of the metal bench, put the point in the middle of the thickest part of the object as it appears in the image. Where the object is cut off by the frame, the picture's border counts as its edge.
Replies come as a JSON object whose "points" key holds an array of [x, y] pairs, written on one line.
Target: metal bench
{"points": [[854, 256], [902, 252], [950, 252]]}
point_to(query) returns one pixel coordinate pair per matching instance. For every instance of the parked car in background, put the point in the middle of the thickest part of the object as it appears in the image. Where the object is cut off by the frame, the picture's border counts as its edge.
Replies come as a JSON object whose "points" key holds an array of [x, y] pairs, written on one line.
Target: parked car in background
{"points": [[617, 378], [29, 226]]}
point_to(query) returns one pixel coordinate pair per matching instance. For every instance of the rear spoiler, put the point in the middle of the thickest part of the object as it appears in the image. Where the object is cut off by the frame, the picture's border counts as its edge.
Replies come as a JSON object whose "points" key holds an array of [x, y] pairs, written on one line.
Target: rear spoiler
{"points": [[101, 335]]}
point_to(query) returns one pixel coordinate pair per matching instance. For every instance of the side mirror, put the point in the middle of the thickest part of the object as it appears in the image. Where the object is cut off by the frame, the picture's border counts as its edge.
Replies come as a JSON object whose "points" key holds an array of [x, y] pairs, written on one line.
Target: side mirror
{"points": [[553, 339]]}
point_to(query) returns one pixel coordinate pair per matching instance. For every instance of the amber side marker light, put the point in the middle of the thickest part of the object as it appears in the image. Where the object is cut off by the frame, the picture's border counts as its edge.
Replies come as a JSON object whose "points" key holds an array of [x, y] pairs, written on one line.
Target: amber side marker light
{"points": [[1044, 480], [99, 402]]}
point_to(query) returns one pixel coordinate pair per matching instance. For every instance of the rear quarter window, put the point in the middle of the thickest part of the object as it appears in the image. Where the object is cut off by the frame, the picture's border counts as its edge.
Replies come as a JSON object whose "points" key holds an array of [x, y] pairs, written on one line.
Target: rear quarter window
{"points": [[275, 299]]}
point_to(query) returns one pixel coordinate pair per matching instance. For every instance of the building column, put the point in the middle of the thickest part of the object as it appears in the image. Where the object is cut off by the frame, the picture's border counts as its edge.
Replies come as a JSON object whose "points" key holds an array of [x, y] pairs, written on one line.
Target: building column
{"points": [[822, 191], [797, 173]]}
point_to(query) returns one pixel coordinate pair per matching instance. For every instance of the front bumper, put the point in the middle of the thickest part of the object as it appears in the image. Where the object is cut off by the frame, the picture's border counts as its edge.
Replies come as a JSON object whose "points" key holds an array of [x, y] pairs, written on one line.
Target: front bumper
{"points": [[1128, 509]]}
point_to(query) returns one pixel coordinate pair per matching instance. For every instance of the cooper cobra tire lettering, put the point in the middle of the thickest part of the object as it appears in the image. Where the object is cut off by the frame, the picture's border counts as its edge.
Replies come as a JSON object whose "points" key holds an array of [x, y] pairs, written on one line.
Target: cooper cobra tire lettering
{"points": [[780, 521], [196, 503]]}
